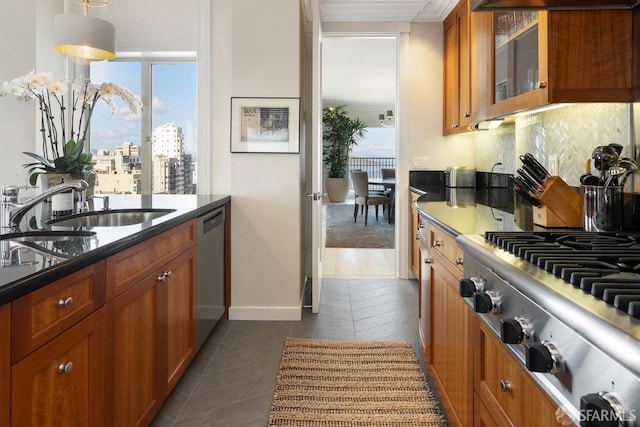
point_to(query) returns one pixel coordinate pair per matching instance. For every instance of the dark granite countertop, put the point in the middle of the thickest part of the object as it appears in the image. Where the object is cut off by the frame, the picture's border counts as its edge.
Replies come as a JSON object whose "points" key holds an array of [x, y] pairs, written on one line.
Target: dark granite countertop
{"points": [[473, 210], [66, 256]]}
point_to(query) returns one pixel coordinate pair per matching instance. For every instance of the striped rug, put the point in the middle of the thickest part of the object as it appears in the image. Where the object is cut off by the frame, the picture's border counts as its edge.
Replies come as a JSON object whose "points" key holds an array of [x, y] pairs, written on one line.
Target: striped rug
{"points": [[340, 384]]}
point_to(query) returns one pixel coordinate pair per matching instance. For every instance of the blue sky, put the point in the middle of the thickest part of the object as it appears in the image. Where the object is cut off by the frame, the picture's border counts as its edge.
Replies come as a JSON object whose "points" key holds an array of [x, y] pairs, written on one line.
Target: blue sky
{"points": [[174, 100]]}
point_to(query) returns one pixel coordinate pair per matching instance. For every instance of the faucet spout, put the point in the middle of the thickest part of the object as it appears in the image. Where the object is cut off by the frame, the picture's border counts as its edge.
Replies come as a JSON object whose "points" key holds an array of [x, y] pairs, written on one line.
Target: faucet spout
{"points": [[18, 210]]}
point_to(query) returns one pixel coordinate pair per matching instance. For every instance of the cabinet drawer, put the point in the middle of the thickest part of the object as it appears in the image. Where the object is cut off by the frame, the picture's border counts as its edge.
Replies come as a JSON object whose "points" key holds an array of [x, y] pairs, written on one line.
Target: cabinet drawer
{"points": [[41, 315], [506, 388], [128, 267], [445, 245]]}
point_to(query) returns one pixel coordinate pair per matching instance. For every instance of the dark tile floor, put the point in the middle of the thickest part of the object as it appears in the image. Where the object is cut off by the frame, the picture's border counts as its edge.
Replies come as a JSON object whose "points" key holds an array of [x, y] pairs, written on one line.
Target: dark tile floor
{"points": [[230, 383]]}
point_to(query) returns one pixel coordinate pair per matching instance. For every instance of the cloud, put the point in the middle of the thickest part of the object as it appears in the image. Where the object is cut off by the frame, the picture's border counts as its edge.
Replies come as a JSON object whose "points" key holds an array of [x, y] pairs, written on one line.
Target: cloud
{"points": [[157, 106]]}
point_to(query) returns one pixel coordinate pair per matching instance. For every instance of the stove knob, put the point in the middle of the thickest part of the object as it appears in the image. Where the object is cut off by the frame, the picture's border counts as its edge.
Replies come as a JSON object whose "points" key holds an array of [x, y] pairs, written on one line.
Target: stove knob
{"points": [[601, 410], [486, 302], [514, 331], [544, 357], [470, 286]]}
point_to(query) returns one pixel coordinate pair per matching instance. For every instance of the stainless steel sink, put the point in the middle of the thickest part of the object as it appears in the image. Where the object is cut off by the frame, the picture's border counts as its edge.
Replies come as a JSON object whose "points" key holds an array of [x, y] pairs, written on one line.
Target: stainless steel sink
{"points": [[110, 218], [46, 236]]}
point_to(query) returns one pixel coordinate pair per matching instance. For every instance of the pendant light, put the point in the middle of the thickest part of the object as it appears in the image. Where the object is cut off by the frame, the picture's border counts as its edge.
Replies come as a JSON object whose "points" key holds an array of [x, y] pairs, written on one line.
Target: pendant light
{"points": [[84, 37]]}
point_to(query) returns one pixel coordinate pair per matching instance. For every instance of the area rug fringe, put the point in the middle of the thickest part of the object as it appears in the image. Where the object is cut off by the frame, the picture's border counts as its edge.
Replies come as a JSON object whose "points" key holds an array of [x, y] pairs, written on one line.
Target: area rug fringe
{"points": [[352, 384]]}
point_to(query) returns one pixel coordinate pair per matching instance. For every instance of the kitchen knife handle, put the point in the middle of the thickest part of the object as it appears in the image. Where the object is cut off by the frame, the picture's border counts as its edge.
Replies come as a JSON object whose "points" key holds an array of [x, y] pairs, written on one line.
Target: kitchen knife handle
{"points": [[528, 197]]}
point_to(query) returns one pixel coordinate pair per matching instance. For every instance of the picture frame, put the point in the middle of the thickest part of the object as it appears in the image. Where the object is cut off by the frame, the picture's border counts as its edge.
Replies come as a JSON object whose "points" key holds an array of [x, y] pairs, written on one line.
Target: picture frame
{"points": [[265, 125]]}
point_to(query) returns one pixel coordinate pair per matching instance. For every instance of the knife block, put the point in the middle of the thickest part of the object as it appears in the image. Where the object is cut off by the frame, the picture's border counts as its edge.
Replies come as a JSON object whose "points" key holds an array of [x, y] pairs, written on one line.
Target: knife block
{"points": [[561, 206]]}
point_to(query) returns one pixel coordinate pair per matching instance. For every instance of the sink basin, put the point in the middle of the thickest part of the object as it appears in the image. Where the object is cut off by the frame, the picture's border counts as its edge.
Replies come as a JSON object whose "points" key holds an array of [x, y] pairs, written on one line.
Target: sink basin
{"points": [[110, 218], [46, 236]]}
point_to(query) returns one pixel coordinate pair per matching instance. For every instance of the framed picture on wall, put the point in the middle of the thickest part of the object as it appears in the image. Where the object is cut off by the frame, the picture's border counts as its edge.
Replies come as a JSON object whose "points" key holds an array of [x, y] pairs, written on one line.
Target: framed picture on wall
{"points": [[265, 125]]}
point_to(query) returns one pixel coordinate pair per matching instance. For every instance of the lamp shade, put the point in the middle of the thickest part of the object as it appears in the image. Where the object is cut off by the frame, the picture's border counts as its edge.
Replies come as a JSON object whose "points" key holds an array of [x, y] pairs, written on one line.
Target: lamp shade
{"points": [[84, 36]]}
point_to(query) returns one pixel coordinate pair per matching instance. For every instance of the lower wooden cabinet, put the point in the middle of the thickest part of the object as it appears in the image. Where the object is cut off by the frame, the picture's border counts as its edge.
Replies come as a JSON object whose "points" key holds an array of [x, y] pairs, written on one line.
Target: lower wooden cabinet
{"points": [[5, 364], [505, 387], [152, 340], [133, 388], [414, 237], [62, 383]]}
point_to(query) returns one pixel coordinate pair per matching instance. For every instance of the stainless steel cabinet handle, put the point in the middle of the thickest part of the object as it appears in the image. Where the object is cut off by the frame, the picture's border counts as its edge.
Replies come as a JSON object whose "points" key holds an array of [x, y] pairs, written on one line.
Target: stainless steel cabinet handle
{"points": [[459, 261], [455, 125], [161, 278], [417, 236], [437, 243], [505, 385], [167, 273], [428, 260], [542, 85], [65, 368], [467, 114], [65, 302]]}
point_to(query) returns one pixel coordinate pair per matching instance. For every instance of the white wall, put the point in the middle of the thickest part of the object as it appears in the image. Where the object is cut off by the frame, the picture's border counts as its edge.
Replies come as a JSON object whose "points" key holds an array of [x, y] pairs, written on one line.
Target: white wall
{"points": [[256, 53]]}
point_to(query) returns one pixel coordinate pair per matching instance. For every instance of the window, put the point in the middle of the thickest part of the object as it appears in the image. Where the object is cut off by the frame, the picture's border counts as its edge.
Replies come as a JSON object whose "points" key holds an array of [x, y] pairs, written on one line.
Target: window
{"points": [[160, 142]]}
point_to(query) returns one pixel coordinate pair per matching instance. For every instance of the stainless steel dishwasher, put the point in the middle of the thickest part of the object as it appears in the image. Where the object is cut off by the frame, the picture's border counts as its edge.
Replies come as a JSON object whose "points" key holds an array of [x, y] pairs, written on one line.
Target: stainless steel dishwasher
{"points": [[210, 273]]}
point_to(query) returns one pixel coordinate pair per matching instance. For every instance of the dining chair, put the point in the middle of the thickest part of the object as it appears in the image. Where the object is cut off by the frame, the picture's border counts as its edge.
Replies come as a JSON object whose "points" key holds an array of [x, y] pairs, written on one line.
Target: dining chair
{"points": [[387, 173], [364, 198]]}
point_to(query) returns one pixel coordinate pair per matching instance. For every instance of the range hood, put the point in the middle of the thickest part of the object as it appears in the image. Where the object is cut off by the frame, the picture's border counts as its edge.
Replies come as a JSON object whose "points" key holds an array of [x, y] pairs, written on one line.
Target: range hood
{"points": [[497, 5]]}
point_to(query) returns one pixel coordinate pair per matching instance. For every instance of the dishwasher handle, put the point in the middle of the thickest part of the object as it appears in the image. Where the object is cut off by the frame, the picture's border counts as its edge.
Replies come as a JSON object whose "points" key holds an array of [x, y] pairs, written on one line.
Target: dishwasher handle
{"points": [[212, 220]]}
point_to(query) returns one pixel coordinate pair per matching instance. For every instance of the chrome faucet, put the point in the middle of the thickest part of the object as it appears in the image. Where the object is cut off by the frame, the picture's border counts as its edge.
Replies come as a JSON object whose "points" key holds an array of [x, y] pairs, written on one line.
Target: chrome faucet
{"points": [[14, 211]]}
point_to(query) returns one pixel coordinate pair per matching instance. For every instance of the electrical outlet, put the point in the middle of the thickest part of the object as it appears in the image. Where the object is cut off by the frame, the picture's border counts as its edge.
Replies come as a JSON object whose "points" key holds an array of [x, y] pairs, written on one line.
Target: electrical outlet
{"points": [[419, 162], [553, 164]]}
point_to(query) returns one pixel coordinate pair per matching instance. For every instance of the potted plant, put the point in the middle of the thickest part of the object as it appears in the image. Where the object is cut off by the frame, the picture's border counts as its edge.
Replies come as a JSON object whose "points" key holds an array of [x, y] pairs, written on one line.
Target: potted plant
{"points": [[340, 134], [62, 156]]}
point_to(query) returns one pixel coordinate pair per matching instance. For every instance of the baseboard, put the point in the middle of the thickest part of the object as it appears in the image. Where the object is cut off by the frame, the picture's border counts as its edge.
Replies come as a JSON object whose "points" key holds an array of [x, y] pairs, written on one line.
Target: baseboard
{"points": [[265, 313]]}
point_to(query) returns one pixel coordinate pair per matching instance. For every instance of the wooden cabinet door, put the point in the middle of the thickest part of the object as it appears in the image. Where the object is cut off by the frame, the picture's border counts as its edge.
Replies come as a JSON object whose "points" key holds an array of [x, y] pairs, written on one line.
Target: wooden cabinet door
{"points": [[451, 105], [451, 358], [464, 88], [415, 240], [62, 383], [481, 415], [506, 388], [133, 392], [5, 363], [179, 308]]}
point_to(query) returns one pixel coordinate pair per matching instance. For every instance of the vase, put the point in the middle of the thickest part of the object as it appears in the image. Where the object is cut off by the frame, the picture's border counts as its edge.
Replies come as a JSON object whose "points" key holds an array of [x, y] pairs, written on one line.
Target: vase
{"points": [[337, 189]]}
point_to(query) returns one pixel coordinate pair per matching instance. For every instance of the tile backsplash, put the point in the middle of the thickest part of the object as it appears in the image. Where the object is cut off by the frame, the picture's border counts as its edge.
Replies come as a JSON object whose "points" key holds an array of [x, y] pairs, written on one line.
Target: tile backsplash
{"points": [[569, 132]]}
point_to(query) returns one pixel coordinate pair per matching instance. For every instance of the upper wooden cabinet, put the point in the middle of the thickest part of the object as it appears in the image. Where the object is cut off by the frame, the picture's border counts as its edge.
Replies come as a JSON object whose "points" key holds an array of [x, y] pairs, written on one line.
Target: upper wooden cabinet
{"points": [[499, 63], [540, 58], [457, 108]]}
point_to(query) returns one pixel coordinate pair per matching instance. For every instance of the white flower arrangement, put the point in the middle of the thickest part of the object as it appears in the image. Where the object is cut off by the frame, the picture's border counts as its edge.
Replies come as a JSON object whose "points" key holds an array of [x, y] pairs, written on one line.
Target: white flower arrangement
{"points": [[62, 154]]}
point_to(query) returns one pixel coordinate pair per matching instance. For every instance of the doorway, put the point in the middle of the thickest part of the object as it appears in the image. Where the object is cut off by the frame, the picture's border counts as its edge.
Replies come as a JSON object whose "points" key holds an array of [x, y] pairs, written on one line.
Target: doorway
{"points": [[360, 72]]}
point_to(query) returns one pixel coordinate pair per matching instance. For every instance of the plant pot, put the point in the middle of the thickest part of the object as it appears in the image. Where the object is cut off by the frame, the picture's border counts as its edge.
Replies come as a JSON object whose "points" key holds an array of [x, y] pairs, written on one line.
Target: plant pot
{"points": [[48, 180], [337, 189]]}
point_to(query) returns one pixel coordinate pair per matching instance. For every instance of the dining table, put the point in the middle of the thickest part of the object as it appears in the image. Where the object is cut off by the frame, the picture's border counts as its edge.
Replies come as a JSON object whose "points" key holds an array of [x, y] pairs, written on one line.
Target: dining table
{"points": [[388, 184]]}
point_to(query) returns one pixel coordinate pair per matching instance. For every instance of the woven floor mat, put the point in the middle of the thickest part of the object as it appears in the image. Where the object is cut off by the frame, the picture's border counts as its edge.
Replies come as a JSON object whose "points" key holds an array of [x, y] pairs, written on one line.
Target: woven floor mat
{"points": [[340, 384]]}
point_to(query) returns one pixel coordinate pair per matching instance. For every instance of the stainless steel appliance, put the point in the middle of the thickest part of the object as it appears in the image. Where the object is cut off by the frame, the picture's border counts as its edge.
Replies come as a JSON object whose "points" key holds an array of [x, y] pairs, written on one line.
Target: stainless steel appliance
{"points": [[459, 177], [210, 273], [567, 306]]}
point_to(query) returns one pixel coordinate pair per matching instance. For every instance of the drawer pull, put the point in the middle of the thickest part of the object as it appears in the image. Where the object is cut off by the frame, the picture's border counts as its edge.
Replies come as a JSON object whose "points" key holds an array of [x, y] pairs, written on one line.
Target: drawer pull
{"points": [[459, 261], [65, 302], [428, 260], [417, 236], [65, 368], [437, 243], [167, 273], [505, 385], [162, 278]]}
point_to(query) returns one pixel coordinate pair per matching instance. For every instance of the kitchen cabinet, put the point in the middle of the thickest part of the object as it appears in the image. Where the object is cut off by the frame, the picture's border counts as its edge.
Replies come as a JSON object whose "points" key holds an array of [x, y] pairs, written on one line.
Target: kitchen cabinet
{"points": [[505, 389], [152, 336], [415, 237], [57, 374], [62, 382], [457, 108], [5, 363], [448, 322], [540, 58]]}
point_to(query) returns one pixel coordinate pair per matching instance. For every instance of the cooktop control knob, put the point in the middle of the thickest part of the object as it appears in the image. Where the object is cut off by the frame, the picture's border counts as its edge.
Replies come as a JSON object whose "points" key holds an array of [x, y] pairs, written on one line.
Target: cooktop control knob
{"points": [[601, 410], [486, 302], [514, 331], [471, 285], [543, 357]]}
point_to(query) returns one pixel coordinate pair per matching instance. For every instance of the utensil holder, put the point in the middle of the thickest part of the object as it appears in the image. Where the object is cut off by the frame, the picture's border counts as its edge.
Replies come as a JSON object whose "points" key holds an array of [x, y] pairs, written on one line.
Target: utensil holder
{"points": [[603, 207], [562, 206]]}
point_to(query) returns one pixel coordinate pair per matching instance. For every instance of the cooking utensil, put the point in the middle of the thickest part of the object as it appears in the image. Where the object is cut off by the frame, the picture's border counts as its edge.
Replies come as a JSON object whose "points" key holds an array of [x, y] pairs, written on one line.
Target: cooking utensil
{"points": [[604, 157], [526, 196], [613, 173], [588, 179], [618, 147], [630, 166], [535, 164], [521, 183], [532, 183], [537, 177]]}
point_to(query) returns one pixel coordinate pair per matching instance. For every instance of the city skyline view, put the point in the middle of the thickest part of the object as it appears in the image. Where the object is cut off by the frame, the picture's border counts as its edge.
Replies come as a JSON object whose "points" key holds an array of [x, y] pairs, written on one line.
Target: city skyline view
{"points": [[174, 99]]}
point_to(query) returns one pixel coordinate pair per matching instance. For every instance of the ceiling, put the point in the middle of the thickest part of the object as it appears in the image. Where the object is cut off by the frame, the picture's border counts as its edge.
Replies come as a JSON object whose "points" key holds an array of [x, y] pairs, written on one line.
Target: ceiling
{"points": [[382, 10], [360, 72]]}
